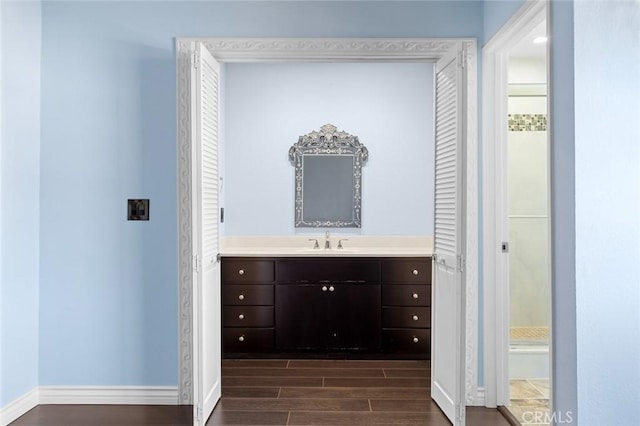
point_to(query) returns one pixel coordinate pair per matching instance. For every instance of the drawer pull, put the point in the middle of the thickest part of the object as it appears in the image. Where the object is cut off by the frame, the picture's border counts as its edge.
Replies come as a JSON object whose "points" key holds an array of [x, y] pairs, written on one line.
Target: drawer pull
{"points": [[416, 340], [241, 339], [415, 318], [241, 297], [324, 288], [415, 295], [241, 316], [415, 272], [241, 272], [331, 288]]}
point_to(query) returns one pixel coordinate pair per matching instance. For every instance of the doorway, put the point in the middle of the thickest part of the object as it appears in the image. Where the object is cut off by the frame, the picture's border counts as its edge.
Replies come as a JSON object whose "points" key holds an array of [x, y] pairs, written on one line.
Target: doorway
{"points": [[354, 50], [517, 220]]}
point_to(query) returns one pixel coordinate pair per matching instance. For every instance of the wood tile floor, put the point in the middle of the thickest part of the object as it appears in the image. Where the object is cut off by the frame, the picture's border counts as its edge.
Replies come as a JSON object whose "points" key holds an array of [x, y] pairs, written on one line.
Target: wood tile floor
{"points": [[332, 392], [283, 392]]}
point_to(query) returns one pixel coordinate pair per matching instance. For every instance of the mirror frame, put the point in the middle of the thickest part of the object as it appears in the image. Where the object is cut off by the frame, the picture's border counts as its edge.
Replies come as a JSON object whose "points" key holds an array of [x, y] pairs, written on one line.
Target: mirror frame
{"points": [[328, 141]]}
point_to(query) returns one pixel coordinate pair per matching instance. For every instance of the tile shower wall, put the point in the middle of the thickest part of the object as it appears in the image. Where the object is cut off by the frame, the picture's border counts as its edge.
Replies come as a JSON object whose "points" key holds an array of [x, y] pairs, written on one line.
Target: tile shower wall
{"points": [[528, 214]]}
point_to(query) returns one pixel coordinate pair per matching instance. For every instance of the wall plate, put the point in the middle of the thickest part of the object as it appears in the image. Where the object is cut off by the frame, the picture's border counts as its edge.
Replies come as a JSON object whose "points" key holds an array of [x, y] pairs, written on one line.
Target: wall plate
{"points": [[138, 209]]}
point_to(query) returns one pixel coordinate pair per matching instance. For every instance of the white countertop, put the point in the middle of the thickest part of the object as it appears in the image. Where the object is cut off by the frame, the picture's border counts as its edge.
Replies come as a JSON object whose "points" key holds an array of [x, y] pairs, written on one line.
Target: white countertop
{"points": [[300, 246]]}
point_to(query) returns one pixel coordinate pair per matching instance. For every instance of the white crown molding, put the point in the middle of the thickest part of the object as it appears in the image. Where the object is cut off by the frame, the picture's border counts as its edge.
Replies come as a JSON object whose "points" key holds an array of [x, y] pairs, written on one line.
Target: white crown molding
{"points": [[18, 407], [316, 50], [323, 49], [138, 395]]}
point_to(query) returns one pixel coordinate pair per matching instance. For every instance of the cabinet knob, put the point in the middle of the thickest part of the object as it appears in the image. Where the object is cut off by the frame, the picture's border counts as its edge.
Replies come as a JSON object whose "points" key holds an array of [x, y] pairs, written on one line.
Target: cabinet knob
{"points": [[415, 340], [241, 297], [414, 272], [241, 272], [241, 339], [324, 288], [415, 318], [331, 288], [241, 316], [415, 295]]}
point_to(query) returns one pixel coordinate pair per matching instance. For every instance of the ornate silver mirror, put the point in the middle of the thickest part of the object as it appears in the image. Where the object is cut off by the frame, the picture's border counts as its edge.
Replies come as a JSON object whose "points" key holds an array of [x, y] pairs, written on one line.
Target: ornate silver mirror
{"points": [[328, 179]]}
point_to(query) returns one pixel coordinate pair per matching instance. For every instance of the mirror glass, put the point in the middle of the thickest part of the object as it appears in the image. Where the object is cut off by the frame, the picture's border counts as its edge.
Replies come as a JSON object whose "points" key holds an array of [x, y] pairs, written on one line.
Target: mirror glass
{"points": [[328, 179]]}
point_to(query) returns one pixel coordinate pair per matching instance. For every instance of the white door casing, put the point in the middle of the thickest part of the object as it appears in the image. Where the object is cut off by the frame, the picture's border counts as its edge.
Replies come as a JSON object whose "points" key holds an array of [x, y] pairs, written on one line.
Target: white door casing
{"points": [[207, 292], [317, 50], [448, 301], [495, 197]]}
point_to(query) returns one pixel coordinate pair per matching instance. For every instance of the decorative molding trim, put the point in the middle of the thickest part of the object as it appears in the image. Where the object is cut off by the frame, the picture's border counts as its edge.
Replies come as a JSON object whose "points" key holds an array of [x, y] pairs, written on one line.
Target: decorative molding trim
{"points": [[184, 51], [19, 406], [471, 214], [317, 50], [148, 395], [321, 49], [494, 137]]}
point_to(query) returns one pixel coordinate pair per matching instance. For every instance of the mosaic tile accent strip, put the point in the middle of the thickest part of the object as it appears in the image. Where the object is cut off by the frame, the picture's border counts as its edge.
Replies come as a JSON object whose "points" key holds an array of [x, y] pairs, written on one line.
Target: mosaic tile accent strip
{"points": [[527, 122]]}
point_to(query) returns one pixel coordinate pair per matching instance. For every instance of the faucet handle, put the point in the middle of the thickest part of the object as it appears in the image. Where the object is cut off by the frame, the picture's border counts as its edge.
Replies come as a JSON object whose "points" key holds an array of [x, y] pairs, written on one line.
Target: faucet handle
{"points": [[316, 246], [340, 243]]}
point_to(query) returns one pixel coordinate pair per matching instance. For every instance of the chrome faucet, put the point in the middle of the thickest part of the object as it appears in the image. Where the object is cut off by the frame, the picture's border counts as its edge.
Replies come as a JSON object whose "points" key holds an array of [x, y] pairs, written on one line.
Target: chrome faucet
{"points": [[316, 246], [327, 241]]}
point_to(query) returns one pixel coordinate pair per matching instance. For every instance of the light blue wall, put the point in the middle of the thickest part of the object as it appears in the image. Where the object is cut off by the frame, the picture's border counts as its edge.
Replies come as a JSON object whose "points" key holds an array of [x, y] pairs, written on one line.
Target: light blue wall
{"points": [[388, 106], [563, 242], [497, 13], [108, 286], [20, 192], [607, 204]]}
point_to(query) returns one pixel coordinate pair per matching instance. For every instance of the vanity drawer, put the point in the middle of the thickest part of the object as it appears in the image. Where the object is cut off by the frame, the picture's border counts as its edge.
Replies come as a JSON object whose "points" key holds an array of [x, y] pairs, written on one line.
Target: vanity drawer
{"points": [[416, 271], [328, 270], [247, 271], [406, 295], [406, 317], [247, 316], [247, 339], [248, 294], [409, 341]]}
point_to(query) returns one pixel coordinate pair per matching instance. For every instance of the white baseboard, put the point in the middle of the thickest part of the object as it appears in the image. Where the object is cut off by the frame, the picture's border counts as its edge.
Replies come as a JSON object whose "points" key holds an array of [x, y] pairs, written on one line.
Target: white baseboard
{"points": [[18, 407], [147, 395], [116, 395], [480, 400]]}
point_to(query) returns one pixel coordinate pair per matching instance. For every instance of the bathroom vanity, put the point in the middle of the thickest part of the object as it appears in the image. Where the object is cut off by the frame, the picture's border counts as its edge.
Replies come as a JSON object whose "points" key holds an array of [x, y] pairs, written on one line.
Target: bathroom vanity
{"points": [[326, 303]]}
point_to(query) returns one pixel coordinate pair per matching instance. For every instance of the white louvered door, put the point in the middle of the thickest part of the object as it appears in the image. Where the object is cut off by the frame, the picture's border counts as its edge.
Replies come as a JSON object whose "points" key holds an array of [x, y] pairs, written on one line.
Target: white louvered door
{"points": [[447, 339], [209, 357]]}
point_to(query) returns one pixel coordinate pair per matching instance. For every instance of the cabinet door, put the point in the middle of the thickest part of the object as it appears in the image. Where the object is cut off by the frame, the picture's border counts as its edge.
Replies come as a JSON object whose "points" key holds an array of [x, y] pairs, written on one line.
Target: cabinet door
{"points": [[354, 316], [301, 316]]}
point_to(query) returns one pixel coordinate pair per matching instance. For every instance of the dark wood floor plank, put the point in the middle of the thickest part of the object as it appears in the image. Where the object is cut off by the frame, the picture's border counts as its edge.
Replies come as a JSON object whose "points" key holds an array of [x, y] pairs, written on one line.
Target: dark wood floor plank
{"points": [[106, 415], [255, 363], [347, 363], [251, 392], [376, 383], [257, 418], [302, 372], [405, 405], [397, 393], [408, 372], [271, 381], [291, 404], [298, 418]]}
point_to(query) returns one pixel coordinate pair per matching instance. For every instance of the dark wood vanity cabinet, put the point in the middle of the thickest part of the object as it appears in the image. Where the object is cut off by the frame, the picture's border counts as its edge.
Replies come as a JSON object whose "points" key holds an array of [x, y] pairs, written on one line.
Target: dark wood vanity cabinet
{"points": [[406, 306], [248, 305], [333, 305], [328, 305]]}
